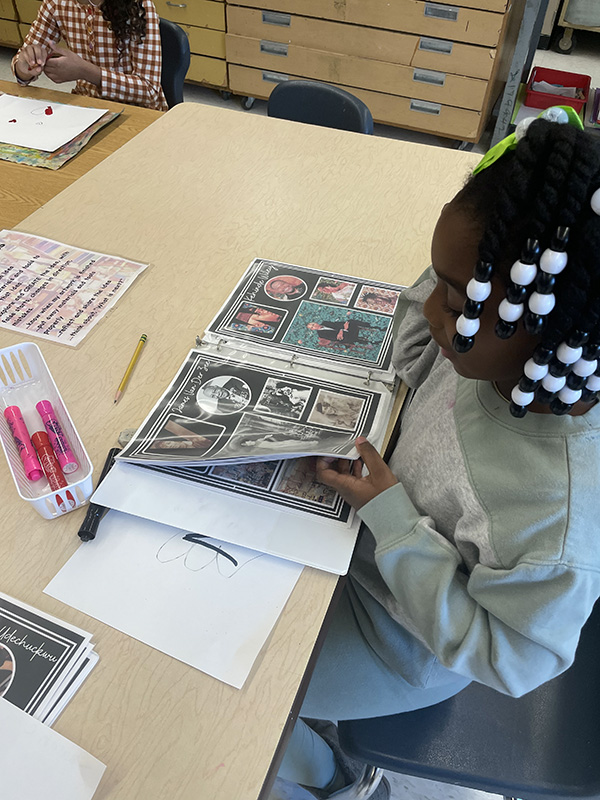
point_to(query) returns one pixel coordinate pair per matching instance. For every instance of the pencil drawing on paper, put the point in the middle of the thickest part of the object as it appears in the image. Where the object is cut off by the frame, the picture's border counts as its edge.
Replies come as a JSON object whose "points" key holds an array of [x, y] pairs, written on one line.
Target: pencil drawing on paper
{"points": [[197, 552]]}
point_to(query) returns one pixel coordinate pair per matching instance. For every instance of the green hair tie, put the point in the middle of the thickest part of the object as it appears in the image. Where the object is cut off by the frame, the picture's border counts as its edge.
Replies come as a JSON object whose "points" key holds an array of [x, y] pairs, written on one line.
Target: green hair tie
{"points": [[510, 142]]}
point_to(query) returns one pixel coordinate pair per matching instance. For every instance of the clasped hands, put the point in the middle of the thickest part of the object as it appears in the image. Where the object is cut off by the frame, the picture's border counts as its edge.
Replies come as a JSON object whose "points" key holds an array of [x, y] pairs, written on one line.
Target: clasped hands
{"points": [[58, 63], [347, 479]]}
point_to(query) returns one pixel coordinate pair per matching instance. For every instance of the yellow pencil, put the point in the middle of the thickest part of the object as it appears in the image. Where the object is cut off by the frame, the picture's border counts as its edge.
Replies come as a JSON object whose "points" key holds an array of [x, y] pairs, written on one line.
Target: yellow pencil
{"points": [[130, 367]]}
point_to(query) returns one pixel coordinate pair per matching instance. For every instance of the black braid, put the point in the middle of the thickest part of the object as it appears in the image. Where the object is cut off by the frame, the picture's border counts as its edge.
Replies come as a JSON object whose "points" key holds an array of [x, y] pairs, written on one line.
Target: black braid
{"points": [[127, 19], [544, 184]]}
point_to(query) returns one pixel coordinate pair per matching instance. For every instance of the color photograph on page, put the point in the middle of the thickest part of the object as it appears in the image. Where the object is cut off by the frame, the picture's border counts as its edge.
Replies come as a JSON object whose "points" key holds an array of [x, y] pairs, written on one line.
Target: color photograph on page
{"points": [[289, 485], [220, 409], [313, 315]]}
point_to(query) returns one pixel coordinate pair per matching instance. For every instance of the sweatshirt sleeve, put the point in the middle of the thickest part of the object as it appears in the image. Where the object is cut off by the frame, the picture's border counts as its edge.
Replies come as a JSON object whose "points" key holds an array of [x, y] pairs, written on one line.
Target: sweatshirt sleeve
{"points": [[511, 629], [414, 349]]}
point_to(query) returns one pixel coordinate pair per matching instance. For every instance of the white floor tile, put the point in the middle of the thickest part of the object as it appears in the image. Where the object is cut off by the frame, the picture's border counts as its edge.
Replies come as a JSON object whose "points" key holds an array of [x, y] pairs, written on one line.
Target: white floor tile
{"points": [[405, 787], [584, 58]]}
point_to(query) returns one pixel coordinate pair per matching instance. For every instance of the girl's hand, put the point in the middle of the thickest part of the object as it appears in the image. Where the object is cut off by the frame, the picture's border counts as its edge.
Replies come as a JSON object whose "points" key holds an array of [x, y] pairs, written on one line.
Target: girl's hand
{"points": [[63, 65], [347, 479], [31, 61]]}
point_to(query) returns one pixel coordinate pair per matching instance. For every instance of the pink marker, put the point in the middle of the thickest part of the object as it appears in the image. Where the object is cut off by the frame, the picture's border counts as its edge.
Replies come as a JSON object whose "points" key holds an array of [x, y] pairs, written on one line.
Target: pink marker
{"points": [[58, 440], [17, 426]]}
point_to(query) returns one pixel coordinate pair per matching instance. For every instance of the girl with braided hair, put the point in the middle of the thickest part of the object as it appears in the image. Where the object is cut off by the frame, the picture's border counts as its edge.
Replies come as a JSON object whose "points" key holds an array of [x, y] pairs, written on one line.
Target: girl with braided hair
{"points": [[480, 559], [114, 49]]}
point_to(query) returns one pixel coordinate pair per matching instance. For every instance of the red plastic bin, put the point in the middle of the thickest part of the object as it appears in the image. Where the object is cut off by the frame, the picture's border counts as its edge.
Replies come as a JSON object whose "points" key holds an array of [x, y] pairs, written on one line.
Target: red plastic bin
{"points": [[556, 76]]}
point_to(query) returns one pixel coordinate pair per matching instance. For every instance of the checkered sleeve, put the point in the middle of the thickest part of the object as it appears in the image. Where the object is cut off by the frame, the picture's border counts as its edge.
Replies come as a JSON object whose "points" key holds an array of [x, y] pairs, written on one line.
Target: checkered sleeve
{"points": [[44, 31], [142, 86]]}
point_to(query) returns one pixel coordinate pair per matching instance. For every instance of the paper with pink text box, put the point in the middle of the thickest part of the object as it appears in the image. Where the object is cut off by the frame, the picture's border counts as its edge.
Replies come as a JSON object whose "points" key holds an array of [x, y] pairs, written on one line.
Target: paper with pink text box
{"points": [[55, 291]]}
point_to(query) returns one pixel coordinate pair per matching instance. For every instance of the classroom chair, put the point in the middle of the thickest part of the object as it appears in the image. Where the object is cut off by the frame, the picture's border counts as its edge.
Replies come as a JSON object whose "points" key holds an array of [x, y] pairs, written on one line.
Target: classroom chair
{"points": [[319, 104], [543, 745], [175, 60]]}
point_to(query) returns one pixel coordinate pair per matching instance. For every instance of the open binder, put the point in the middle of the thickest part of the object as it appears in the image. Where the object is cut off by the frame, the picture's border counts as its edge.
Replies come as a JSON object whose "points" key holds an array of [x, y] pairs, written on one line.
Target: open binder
{"points": [[296, 363]]}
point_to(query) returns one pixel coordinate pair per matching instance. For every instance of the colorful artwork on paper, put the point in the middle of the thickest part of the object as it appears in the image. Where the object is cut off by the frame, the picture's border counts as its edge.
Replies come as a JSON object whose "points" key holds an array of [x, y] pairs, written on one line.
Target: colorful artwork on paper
{"points": [[41, 158]]}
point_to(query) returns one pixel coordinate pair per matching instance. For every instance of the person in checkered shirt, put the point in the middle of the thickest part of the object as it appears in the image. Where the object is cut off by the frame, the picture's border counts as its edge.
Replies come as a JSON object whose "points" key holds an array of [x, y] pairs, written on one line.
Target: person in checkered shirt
{"points": [[114, 50]]}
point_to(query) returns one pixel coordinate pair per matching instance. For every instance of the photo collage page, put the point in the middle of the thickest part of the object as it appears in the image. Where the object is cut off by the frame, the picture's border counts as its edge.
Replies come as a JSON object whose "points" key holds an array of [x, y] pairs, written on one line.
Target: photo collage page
{"points": [[304, 311], [225, 410], [289, 484]]}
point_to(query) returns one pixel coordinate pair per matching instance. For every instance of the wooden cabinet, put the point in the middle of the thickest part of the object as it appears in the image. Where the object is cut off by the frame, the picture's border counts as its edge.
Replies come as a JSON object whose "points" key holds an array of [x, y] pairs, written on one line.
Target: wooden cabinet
{"points": [[204, 23], [427, 66], [9, 27], [27, 11]]}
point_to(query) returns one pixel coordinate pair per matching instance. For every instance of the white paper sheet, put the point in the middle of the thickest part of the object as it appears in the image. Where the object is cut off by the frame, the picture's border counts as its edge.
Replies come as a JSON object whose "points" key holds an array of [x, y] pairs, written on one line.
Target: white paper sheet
{"points": [[43, 125], [187, 599], [36, 762], [298, 537]]}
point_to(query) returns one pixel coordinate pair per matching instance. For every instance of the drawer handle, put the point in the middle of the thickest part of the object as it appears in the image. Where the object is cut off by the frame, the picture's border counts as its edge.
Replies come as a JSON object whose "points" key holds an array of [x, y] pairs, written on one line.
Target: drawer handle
{"points": [[424, 107], [276, 18], [274, 77], [273, 48], [435, 45], [429, 76], [441, 12], [176, 5]]}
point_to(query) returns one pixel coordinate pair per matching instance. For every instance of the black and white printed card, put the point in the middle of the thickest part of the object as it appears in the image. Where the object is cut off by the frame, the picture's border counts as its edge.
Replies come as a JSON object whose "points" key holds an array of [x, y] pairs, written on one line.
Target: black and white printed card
{"points": [[39, 654]]}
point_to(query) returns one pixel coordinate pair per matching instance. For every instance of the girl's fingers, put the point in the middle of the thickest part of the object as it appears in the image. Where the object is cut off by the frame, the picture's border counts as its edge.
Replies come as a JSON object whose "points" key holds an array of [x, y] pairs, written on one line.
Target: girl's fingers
{"points": [[374, 462], [327, 475], [30, 57], [344, 466], [40, 55]]}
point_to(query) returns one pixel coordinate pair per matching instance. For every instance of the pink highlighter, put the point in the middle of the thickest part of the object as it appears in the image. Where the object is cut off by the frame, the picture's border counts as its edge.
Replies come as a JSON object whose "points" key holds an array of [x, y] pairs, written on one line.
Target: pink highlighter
{"points": [[17, 426], [58, 440]]}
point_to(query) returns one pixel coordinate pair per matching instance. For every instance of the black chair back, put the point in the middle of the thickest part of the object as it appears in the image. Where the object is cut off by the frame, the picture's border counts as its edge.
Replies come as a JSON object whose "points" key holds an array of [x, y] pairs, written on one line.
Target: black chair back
{"points": [[542, 745], [175, 61], [319, 104]]}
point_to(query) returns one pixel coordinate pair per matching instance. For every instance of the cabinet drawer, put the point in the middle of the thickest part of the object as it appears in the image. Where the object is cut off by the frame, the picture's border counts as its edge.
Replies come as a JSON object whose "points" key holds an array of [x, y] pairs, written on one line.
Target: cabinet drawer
{"points": [[393, 79], [207, 70], [203, 13], [205, 42], [356, 40], [457, 123], [7, 10], [9, 32], [28, 9], [399, 15]]}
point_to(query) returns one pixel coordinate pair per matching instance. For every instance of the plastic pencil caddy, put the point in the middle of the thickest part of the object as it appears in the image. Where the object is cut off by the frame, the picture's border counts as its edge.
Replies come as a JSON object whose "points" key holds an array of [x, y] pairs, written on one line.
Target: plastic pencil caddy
{"points": [[556, 76], [25, 380]]}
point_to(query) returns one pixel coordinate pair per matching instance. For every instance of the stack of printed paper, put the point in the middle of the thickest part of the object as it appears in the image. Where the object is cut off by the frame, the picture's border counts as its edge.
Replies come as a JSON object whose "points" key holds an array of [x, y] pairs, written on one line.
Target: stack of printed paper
{"points": [[43, 661]]}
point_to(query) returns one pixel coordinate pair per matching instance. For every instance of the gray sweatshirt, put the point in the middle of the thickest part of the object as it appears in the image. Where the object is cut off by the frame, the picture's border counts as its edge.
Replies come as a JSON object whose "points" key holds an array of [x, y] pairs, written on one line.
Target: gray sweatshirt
{"points": [[487, 553]]}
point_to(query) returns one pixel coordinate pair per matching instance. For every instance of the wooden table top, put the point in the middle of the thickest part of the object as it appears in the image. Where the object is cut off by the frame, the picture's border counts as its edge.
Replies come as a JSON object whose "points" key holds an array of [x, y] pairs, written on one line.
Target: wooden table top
{"points": [[199, 194], [24, 189]]}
